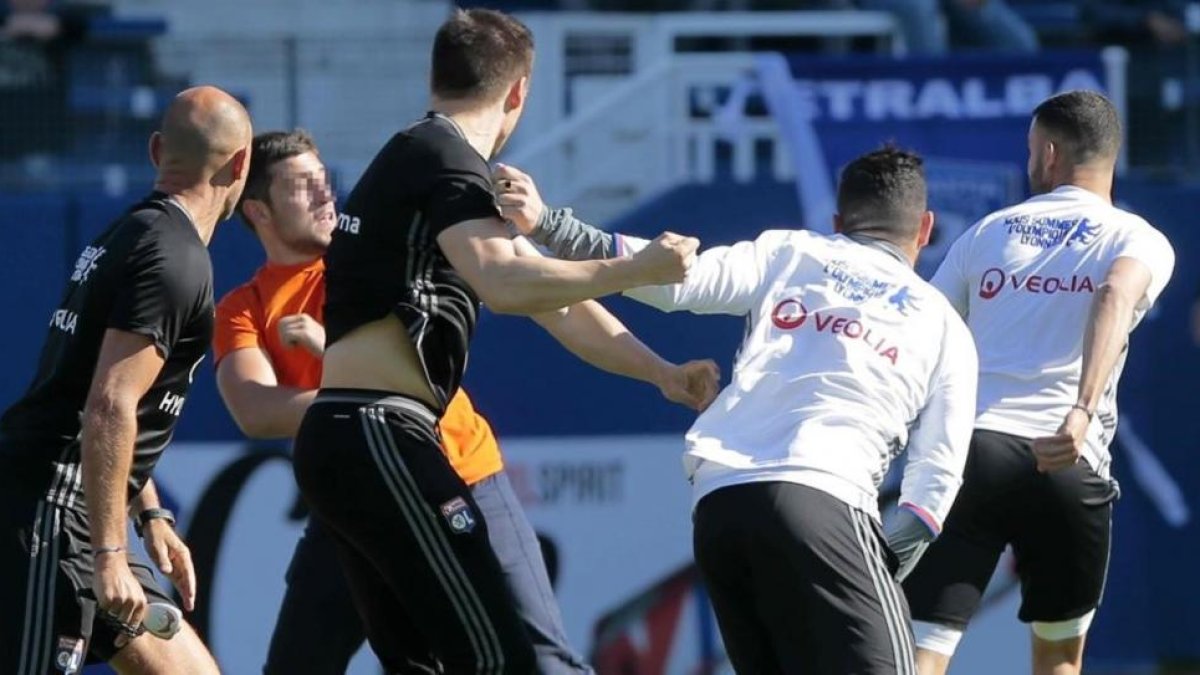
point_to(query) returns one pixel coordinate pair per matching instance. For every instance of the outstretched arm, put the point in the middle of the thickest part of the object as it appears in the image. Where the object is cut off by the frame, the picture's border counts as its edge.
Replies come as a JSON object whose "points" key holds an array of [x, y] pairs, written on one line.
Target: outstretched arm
{"points": [[558, 230], [593, 334], [724, 279], [482, 252]]}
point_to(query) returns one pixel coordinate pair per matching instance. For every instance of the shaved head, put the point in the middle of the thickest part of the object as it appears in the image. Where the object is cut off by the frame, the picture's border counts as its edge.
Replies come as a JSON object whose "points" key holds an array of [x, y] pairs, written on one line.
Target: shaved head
{"points": [[204, 143], [202, 126]]}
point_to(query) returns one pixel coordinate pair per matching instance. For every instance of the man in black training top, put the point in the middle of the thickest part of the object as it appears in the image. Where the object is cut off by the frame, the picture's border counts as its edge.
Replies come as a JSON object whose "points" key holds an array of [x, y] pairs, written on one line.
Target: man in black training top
{"points": [[420, 243], [76, 452]]}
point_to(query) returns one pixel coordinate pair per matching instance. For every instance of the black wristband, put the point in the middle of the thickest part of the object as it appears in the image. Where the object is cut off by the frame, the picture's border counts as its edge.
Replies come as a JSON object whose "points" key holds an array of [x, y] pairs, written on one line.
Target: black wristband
{"points": [[139, 523]]}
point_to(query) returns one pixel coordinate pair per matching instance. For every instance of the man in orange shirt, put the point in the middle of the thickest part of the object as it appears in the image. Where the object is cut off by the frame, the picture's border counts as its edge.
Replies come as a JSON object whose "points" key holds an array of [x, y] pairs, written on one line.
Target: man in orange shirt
{"points": [[269, 341]]}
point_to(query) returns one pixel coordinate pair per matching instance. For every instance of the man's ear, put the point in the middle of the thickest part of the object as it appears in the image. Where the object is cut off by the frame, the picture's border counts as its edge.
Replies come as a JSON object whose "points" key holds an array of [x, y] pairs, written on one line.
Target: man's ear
{"points": [[516, 94], [255, 212], [926, 230], [155, 148], [239, 164]]}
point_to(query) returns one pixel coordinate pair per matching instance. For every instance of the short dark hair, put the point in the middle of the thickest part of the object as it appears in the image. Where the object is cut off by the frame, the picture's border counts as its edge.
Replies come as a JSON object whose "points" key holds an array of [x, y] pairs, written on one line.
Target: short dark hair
{"points": [[883, 192], [1084, 122], [267, 150], [478, 53]]}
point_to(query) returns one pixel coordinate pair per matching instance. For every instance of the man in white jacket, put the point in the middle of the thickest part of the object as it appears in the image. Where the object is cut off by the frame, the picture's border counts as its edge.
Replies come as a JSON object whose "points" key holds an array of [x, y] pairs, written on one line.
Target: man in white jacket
{"points": [[849, 358]]}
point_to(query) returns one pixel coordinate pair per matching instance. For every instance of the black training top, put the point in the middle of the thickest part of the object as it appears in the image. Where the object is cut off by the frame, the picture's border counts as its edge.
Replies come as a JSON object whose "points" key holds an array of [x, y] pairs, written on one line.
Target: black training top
{"points": [[148, 273], [385, 256]]}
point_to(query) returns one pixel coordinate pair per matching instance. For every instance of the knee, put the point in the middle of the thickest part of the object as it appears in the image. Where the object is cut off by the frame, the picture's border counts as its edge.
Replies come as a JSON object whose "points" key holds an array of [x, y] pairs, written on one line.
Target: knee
{"points": [[149, 655], [1058, 645]]}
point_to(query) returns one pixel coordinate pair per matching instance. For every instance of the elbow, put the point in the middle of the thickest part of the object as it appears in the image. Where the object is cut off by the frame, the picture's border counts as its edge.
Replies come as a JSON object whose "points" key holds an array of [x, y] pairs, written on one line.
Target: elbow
{"points": [[251, 426], [1112, 297], [253, 423], [104, 408]]}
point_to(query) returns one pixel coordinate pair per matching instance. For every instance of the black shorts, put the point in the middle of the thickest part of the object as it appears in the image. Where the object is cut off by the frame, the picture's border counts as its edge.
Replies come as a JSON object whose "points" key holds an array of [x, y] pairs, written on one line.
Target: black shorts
{"points": [[410, 537], [801, 583], [1057, 523], [49, 622]]}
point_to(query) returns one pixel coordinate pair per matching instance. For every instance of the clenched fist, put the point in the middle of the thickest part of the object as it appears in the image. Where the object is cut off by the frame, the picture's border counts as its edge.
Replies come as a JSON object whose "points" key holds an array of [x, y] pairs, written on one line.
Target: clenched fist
{"points": [[666, 259], [301, 330], [119, 596], [694, 384]]}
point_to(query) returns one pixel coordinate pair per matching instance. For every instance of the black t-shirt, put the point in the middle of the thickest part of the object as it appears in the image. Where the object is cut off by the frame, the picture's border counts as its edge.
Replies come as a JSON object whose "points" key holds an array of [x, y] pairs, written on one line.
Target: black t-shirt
{"points": [[148, 273], [385, 256]]}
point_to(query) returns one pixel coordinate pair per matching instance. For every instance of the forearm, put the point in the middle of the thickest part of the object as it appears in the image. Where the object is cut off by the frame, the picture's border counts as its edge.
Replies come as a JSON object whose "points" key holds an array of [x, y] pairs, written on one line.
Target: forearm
{"points": [[570, 238], [941, 439], [594, 335], [528, 286], [268, 411], [1105, 338], [109, 432]]}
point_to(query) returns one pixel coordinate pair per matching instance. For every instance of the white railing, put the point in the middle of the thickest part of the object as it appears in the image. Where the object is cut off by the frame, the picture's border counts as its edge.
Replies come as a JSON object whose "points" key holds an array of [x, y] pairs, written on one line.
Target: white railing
{"points": [[660, 128], [636, 135], [643, 136], [575, 47]]}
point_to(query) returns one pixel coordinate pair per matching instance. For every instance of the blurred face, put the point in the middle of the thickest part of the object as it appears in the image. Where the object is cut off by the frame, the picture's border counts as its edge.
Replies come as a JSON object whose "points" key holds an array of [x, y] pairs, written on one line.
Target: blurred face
{"points": [[301, 208], [1042, 156]]}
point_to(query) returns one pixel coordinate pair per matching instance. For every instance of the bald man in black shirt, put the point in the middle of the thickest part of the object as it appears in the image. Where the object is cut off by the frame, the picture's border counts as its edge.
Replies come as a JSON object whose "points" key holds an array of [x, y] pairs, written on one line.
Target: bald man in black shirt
{"points": [[77, 450]]}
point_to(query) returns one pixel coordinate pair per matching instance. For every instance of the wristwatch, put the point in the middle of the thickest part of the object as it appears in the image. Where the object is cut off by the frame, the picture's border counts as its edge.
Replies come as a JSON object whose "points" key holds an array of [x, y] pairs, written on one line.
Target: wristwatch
{"points": [[146, 516]]}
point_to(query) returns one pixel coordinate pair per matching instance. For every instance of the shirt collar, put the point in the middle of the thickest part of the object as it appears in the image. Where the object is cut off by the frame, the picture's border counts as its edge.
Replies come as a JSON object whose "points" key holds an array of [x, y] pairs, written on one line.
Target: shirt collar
{"points": [[886, 247], [1076, 192]]}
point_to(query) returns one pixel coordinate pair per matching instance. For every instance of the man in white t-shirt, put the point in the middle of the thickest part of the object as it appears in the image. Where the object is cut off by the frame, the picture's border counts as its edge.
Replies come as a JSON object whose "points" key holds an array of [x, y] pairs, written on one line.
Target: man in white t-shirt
{"points": [[1051, 289], [849, 357]]}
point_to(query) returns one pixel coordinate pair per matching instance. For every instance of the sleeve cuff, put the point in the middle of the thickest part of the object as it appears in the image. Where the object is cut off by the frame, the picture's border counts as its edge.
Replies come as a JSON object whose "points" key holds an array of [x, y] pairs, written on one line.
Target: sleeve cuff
{"points": [[154, 333], [924, 516]]}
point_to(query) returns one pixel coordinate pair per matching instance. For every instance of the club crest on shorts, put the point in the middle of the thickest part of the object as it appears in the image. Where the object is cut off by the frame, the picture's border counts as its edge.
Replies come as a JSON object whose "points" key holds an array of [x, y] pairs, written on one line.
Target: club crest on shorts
{"points": [[68, 656], [458, 514]]}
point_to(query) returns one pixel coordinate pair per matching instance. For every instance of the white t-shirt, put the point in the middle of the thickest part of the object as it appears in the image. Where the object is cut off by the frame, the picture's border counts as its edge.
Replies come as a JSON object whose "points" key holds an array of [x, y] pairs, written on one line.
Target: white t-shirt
{"points": [[1024, 278], [848, 358]]}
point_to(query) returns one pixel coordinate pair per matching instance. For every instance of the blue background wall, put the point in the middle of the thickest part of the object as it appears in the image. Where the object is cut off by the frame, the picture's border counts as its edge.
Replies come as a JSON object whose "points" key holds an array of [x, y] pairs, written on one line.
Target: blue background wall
{"points": [[527, 385]]}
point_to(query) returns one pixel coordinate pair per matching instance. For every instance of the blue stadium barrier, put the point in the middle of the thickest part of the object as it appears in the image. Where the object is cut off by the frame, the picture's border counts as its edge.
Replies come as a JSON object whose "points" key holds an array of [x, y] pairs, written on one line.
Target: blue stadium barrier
{"points": [[528, 386]]}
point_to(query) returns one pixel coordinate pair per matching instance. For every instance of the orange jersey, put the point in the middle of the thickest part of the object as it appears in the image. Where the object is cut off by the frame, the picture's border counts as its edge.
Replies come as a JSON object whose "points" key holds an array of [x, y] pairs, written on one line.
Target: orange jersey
{"points": [[248, 317]]}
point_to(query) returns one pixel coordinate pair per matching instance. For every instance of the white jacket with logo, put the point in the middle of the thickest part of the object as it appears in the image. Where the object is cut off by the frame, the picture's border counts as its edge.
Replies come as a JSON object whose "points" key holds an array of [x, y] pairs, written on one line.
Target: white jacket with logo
{"points": [[849, 357], [1024, 278]]}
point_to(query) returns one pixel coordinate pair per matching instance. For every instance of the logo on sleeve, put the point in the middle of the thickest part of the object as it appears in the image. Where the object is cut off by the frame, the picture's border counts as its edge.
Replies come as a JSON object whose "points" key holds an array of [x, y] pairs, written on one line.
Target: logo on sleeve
{"points": [[458, 515], [87, 263]]}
